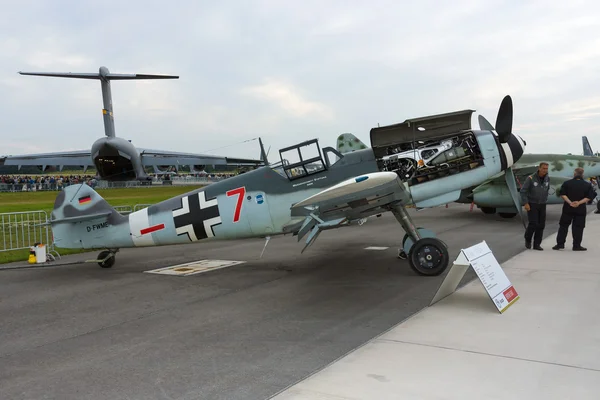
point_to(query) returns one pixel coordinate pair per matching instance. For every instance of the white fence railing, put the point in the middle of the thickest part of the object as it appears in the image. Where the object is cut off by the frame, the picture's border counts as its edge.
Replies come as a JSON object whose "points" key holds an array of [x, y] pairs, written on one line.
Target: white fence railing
{"points": [[23, 230]]}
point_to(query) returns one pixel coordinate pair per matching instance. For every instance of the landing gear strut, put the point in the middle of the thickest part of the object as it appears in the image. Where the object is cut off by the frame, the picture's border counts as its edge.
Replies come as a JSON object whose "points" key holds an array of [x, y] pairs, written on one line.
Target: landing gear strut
{"points": [[106, 258], [426, 254]]}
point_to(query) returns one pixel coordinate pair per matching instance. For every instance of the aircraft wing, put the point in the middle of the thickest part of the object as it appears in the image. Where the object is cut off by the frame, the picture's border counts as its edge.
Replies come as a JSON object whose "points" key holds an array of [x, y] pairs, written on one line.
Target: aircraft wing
{"points": [[160, 157], [81, 158], [348, 201], [524, 170], [521, 172]]}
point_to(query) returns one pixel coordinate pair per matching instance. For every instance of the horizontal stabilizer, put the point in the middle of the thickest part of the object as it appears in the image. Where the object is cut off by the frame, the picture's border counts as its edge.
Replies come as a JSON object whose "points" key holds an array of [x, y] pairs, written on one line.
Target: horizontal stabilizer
{"points": [[140, 76], [82, 218], [96, 75]]}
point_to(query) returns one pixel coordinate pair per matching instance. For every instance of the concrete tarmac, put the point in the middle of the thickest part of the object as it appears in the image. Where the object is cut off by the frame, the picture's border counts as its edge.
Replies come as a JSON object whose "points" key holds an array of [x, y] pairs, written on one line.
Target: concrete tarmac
{"points": [[244, 332]]}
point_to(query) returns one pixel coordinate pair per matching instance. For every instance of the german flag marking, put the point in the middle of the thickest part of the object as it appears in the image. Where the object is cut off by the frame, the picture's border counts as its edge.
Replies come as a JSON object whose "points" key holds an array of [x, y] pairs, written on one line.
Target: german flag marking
{"points": [[85, 199], [152, 229]]}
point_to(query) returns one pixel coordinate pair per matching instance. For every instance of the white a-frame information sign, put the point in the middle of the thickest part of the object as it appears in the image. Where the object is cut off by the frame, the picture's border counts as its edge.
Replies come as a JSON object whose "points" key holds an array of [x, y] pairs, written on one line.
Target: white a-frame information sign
{"points": [[488, 270]]}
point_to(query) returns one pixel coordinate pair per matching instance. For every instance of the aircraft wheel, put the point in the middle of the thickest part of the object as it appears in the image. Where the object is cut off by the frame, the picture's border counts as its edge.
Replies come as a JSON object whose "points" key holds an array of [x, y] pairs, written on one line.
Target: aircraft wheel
{"points": [[507, 215], [429, 257], [488, 210], [109, 262]]}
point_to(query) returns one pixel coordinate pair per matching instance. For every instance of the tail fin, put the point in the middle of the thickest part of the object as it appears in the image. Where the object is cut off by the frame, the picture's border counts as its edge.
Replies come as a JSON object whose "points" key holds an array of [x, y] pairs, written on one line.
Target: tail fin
{"points": [[263, 154], [77, 203], [104, 76], [81, 219], [587, 149], [347, 143]]}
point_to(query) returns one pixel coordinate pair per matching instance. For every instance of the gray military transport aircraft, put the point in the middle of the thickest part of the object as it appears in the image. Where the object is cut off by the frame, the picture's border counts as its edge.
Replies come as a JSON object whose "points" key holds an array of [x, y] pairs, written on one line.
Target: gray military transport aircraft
{"points": [[306, 193], [115, 158]]}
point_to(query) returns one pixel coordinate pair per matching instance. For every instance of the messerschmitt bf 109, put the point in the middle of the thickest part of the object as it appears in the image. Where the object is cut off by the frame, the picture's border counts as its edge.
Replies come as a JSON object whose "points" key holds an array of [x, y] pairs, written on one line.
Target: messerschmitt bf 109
{"points": [[115, 158], [306, 193], [493, 196]]}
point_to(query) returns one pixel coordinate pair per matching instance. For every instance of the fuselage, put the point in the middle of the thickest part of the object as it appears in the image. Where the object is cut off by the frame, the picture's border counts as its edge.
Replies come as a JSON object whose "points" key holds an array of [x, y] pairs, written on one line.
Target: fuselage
{"points": [[257, 203], [116, 159], [563, 165], [495, 194]]}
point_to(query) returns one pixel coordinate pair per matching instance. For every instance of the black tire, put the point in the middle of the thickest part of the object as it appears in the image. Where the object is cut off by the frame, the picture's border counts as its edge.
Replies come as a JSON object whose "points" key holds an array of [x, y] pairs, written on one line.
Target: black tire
{"points": [[507, 215], [488, 210], [108, 262], [429, 247]]}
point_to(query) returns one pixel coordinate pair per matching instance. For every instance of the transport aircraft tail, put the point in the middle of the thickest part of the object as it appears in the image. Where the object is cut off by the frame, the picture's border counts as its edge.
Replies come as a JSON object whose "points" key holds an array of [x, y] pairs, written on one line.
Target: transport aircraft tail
{"points": [[587, 149]]}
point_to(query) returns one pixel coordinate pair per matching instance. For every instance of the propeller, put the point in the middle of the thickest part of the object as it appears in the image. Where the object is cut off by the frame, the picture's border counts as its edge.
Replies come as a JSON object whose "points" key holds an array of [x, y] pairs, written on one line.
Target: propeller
{"points": [[504, 119], [511, 182], [504, 130], [484, 124]]}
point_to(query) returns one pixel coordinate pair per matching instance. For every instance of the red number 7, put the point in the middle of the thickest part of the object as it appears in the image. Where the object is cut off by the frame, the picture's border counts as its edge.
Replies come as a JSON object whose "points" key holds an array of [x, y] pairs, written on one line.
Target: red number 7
{"points": [[240, 200]]}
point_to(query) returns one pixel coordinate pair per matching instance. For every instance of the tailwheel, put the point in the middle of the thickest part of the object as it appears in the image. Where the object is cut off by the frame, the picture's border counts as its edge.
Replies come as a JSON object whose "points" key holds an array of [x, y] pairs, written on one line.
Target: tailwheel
{"points": [[429, 256], [106, 259]]}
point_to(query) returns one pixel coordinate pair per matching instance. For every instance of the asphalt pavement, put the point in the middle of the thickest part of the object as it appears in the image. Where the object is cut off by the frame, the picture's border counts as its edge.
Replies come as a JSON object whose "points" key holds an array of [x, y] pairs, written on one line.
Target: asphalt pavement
{"points": [[78, 331]]}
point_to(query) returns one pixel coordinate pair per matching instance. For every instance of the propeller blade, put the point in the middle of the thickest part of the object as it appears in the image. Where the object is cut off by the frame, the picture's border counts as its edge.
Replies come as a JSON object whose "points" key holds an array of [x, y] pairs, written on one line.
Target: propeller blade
{"points": [[504, 119], [511, 182], [484, 124]]}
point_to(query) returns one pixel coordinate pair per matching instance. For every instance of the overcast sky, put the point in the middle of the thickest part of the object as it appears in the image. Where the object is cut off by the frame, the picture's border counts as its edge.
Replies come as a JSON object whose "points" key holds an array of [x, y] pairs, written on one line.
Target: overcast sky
{"points": [[290, 71]]}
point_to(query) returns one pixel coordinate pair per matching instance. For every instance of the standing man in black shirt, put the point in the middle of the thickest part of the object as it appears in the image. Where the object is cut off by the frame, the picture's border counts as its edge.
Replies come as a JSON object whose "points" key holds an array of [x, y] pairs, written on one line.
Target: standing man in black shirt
{"points": [[534, 196], [576, 193]]}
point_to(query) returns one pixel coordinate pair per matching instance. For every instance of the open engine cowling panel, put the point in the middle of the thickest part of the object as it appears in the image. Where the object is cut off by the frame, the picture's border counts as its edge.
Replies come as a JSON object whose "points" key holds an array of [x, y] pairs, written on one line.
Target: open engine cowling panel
{"points": [[427, 148]]}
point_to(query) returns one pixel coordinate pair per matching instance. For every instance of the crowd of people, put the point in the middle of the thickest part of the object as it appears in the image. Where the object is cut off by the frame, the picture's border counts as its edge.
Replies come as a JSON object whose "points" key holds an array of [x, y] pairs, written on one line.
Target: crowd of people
{"points": [[28, 183]]}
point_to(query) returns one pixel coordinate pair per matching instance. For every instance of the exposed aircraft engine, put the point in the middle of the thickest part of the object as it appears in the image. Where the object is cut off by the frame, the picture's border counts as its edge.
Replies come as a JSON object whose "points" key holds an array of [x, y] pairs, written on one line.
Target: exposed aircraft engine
{"points": [[426, 160]]}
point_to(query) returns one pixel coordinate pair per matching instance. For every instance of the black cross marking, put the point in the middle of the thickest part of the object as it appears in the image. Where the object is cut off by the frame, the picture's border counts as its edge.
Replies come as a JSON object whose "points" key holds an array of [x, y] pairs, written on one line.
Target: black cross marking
{"points": [[194, 218]]}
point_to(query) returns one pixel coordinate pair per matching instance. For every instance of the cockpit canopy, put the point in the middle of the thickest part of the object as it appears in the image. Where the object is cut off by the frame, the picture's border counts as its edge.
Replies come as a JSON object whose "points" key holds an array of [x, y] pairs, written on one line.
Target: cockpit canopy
{"points": [[304, 159]]}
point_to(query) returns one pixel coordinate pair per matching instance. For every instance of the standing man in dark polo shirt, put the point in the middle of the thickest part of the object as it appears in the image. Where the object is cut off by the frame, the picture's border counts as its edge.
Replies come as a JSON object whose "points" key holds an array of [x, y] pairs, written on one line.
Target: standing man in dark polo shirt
{"points": [[576, 193], [534, 195]]}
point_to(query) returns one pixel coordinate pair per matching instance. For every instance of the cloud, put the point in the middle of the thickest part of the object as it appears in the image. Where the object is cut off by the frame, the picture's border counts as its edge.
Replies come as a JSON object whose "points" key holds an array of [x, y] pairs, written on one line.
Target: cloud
{"points": [[288, 98], [293, 71]]}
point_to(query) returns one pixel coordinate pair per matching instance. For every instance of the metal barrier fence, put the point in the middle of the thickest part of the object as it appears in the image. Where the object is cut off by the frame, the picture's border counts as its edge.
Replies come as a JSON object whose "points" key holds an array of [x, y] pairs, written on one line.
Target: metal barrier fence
{"points": [[138, 207], [123, 209], [22, 230]]}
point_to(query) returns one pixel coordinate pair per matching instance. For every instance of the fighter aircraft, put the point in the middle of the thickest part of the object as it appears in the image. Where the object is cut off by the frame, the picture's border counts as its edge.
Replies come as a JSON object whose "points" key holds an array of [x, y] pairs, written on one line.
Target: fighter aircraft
{"points": [[305, 193], [493, 196], [115, 158]]}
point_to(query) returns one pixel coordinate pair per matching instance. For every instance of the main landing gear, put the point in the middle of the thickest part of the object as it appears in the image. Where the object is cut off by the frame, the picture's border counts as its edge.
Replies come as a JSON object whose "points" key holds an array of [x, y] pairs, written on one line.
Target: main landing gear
{"points": [[106, 258], [426, 254]]}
